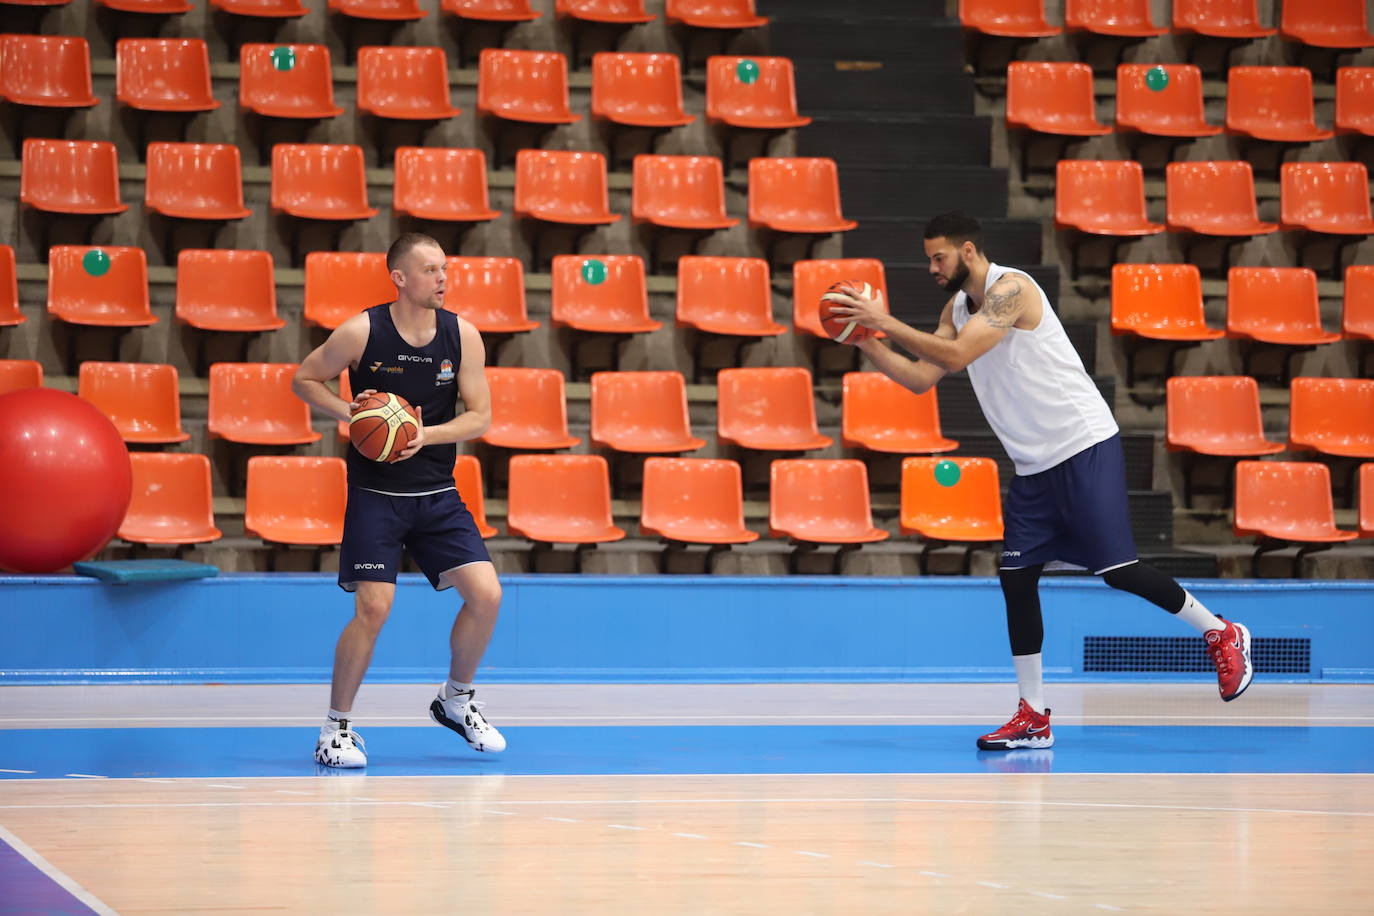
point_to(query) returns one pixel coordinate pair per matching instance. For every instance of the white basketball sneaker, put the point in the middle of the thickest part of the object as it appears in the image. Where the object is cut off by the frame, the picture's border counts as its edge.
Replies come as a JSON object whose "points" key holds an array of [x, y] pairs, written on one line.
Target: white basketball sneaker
{"points": [[463, 716], [340, 746]]}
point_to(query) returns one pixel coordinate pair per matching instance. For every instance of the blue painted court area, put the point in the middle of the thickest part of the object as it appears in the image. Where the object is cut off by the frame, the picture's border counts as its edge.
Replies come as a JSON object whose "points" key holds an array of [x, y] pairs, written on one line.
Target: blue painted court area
{"points": [[29, 891], [612, 750]]}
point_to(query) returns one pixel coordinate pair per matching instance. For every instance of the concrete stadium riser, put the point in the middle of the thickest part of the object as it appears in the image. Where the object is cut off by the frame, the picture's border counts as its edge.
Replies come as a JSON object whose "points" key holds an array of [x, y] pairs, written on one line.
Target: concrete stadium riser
{"points": [[281, 629]]}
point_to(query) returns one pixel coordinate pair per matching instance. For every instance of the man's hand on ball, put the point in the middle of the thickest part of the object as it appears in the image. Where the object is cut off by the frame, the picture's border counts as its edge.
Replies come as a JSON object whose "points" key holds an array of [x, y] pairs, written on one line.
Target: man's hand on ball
{"points": [[418, 442], [869, 311]]}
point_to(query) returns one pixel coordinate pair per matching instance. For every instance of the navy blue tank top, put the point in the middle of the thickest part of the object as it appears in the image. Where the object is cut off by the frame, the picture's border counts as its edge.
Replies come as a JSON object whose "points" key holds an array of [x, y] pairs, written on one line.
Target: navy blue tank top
{"points": [[425, 376]]}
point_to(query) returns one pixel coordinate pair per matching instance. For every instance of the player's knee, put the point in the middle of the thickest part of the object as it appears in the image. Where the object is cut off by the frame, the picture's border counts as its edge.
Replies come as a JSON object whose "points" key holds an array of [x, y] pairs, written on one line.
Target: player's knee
{"points": [[372, 612], [484, 600]]}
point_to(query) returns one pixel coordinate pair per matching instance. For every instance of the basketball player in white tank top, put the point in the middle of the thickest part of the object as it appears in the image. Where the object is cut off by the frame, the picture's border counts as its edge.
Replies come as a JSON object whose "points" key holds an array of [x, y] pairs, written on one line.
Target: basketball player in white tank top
{"points": [[1067, 503]]}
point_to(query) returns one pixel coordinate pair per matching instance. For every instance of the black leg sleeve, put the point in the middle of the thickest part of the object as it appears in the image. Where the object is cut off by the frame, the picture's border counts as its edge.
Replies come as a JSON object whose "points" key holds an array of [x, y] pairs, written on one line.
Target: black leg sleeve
{"points": [[1021, 589], [1149, 583]]}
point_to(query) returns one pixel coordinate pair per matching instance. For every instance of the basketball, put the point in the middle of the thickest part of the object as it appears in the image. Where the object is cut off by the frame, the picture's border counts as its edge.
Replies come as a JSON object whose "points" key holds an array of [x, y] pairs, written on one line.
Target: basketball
{"points": [[845, 332], [383, 426]]}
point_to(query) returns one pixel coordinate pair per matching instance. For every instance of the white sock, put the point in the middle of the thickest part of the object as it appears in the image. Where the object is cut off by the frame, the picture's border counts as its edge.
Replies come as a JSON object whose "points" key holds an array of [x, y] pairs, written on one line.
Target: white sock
{"points": [[1197, 616], [452, 688], [335, 715], [1030, 681]]}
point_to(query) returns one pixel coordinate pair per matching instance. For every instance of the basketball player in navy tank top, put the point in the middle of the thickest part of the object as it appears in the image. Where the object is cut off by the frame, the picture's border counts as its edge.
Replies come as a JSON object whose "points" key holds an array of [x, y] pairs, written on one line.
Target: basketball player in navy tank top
{"points": [[1067, 503], [414, 348]]}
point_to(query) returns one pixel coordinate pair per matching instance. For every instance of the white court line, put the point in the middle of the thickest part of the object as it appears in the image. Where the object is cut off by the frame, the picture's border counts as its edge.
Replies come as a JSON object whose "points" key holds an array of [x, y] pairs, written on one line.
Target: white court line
{"points": [[691, 836], [878, 864], [564, 820], [220, 785], [814, 855], [1047, 896], [753, 845], [994, 884], [933, 874], [169, 782], [974, 716], [623, 827], [55, 875], [85, 776], [710, 801], [18, 771]]}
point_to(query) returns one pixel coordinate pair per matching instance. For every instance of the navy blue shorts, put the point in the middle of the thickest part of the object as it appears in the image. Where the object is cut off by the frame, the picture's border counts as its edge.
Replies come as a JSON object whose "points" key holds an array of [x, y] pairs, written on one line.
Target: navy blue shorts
{"points": [[436, 530], [1076, 512]]}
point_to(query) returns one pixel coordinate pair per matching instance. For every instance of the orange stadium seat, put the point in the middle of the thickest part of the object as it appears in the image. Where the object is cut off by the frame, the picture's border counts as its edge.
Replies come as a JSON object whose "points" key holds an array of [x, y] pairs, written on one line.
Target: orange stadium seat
{"points": [[1053, 98], [714, 14], [1355, 100], [219, 290], [1272, 103], [769, 101], [491, 10], [1213, 198], [1102, 198], [404, 83], [340, 284], [116, 298], [822, 501], [726, 296], [1121, 18], [1367, 500], [562, 187], [172, 502], [796, 195], [644, 412], [1330, 197], [304, 90], [617, 305], [1220, 18], [1007, 18], [296, 500], [195, 181], [70, 176], [1216, 415], [254, 403], [1357, 315], [1160, 301], [1328, 24], [768, 409], [9, 290], [810, 280], [880, 415], [143, 400], [1286, 501], [694, 500], [153, 7], [388, 10], [489, 292], [20, 373], [1176, 111], [524, 86], [1276, 305], [968, 510], [262, 9], [163, 74], [561, 499], [640, 90], [320, 181], [46, 71], [441, 184], [529, 409], [680, 192], [624, 12], [467, 477], [1333, 416]]}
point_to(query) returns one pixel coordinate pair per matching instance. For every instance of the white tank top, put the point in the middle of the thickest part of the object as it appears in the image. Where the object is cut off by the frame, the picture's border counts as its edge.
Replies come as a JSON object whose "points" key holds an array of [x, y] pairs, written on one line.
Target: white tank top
{"points": [[1033, 389]]}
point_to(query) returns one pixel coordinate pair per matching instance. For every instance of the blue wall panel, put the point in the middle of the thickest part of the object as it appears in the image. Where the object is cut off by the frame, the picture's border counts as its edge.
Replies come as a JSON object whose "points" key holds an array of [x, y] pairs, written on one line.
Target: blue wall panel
{"points": [[282, 628]]}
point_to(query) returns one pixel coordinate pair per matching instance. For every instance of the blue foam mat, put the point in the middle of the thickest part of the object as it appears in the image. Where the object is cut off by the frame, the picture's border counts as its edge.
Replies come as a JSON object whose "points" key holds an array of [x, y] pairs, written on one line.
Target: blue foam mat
{"points": [[127, 572]]}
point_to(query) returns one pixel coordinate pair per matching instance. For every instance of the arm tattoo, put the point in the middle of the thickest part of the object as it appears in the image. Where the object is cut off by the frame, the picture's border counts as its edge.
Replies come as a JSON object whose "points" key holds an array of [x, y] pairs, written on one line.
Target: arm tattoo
{"points": [[1002, 305]]}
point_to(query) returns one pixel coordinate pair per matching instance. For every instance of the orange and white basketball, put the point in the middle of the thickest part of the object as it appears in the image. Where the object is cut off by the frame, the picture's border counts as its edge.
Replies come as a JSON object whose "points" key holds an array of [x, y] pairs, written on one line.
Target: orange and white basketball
{"points": [[845, 332], [383, 426]]}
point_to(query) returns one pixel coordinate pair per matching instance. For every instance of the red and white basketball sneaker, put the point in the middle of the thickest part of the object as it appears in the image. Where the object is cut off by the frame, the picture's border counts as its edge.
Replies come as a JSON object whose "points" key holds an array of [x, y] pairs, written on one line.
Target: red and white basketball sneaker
{"points": [[1027, 728], [1230, 651]]}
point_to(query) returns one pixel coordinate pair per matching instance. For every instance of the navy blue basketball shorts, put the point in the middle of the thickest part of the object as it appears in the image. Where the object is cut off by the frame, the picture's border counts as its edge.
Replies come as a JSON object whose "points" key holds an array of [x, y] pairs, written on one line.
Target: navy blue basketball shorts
{"points": [[437, 530], [1075, 513]]}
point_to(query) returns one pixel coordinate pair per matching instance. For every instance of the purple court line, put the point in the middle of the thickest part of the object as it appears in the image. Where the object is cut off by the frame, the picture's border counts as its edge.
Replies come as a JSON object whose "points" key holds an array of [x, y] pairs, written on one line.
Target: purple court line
{"points": [[34, 886]]}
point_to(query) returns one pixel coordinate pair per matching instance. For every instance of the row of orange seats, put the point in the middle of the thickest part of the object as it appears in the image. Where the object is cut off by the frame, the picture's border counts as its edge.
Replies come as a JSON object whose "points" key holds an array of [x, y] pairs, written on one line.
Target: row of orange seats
{"points": [[1275, 305], [328, 182], [1107, 197], [1323, 23], [1266, 103], [706, 14], [765, 409], [567, 499], [232, 290], [409, 83]]}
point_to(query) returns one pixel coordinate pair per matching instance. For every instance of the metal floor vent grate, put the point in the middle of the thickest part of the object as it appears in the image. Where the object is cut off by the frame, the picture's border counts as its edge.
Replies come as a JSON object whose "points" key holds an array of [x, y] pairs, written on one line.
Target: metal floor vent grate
{"points": [[1187, 654]]}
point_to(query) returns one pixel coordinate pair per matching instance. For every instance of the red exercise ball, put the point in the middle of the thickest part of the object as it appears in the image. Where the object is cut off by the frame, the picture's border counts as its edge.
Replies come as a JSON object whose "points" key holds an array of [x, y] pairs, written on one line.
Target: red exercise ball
{"points": [[65, 480]]}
